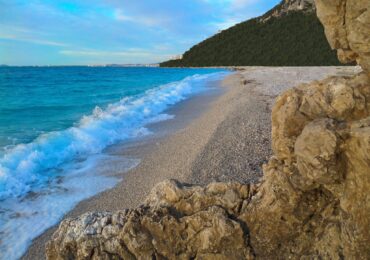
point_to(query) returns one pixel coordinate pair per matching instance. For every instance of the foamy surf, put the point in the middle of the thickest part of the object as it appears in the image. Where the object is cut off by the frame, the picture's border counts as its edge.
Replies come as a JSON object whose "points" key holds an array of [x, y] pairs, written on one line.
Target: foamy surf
{"points": [[42, 180]]}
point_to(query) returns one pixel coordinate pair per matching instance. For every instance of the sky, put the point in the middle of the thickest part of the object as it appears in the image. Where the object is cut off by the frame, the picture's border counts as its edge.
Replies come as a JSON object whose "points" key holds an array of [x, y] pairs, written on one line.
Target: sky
{"points": [[96, 32]]}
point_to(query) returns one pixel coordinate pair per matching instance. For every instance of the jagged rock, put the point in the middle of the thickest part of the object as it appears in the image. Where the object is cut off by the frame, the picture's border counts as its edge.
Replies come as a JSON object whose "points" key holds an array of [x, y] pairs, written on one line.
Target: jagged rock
{"points": [[191, 199], [287, 6], [338, 98], [295, 5], [313, 201], [347, 27], [167, 226]]}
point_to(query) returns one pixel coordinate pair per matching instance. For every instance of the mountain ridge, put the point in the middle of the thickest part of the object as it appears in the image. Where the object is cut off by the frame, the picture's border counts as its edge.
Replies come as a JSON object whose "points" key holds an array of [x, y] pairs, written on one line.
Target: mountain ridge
{"points": [[276, 38], [286, 6]]}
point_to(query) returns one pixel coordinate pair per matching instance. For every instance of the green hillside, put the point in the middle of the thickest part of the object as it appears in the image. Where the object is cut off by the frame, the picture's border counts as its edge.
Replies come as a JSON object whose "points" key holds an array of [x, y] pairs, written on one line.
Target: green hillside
{"points": [[293, 39]]}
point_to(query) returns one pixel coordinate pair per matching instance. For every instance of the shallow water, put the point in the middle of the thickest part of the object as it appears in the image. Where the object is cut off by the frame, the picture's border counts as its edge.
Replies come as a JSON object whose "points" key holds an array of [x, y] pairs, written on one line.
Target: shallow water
{"points": [[54, 126]]}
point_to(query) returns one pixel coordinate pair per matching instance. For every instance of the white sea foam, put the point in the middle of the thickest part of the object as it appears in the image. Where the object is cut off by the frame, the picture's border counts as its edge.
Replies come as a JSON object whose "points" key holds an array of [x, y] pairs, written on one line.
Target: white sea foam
{"points": [[42, 180], [22, 220], [27, 166]]}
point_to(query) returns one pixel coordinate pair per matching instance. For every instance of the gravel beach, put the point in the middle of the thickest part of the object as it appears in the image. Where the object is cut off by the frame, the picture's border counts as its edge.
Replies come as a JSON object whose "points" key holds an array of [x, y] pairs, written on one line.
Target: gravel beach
{"points": [[222, 137]]}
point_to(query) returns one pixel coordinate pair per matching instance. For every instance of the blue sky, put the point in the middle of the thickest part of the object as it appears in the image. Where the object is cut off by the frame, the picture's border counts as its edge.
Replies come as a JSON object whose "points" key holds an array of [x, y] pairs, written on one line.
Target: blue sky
{"points": [[71, 32]]}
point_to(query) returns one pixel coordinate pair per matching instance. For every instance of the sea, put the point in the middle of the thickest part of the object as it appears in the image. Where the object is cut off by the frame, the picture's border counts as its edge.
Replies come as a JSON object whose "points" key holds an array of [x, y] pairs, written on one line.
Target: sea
{"points": [[56, 124]]}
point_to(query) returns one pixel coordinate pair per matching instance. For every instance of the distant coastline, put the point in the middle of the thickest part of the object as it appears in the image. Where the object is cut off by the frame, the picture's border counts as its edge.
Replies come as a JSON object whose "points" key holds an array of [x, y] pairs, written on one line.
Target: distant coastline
{"points": [[155, 65]]}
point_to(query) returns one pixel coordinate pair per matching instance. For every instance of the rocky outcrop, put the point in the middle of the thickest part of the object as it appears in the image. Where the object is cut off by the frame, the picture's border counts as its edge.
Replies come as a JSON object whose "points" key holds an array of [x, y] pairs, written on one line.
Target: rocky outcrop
{"points": [[176, 222], [296, 5], [313, 201], [347, 27], [287, 6]]}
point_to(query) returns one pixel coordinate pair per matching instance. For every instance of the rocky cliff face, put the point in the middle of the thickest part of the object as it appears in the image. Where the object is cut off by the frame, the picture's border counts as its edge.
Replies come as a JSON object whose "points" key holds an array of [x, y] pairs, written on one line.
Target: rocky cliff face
{"points": [[347, 28], [287, 6], [314, 199]]}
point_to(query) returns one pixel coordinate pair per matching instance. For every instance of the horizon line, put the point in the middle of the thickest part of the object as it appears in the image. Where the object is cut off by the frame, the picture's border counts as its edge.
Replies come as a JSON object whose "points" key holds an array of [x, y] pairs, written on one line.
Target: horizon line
{"points": [[90, 65]]}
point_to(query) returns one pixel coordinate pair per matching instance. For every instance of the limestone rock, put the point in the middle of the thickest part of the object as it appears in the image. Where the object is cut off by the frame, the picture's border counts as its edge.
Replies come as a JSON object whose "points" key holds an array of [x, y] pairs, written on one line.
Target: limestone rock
{"points": [[317, 153], [287, 6], [296, 5], [338, 98], [164, 228], [347, 27]]}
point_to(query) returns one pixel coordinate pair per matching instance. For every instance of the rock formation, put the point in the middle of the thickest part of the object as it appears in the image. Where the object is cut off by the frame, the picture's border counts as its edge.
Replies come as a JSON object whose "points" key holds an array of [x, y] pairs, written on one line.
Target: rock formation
{"points": [[287, 6], [175, 222], [347, 27], [313, 201]]}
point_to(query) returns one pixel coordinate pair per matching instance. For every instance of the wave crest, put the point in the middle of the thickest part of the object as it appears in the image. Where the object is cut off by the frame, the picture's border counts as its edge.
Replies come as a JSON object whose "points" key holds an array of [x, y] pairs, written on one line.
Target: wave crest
{"points": [[29, 167]]}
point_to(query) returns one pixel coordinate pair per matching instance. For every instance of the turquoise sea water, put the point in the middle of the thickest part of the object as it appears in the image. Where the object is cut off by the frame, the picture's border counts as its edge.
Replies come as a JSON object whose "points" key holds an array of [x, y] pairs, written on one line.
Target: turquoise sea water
{"points": [[55, 123], [44, 99]]}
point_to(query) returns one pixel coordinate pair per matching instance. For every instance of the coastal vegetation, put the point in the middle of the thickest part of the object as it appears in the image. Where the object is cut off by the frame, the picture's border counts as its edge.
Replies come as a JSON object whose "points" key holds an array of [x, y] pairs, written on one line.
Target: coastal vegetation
{"points": [[293, 39]]}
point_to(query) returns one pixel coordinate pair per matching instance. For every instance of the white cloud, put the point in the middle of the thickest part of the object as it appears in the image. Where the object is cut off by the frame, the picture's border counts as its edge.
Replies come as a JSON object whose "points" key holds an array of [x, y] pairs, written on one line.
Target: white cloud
{"points": [[118, 15], [139, 18], [103, 53], [131, 52], [17, 33], [102, 30], [31, 40]]}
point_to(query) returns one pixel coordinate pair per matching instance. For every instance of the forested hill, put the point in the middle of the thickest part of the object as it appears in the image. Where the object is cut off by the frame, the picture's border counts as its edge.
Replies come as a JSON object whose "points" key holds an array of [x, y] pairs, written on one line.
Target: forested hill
{"points": [[288, 35]]}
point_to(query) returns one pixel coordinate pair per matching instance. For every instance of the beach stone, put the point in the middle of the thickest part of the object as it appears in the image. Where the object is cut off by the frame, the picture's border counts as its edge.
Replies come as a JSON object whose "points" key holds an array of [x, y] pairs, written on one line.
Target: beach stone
{"points": [[312, 203]]}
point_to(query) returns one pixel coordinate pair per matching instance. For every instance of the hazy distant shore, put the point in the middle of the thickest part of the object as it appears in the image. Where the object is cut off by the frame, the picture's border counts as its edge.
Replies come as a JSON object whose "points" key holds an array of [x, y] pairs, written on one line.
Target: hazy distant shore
{"points": [[222, 136]]}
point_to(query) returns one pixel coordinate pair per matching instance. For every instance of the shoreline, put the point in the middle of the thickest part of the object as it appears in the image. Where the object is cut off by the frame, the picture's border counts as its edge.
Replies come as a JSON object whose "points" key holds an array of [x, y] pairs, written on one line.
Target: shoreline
{"points": [[211, 146], [185, 112]]}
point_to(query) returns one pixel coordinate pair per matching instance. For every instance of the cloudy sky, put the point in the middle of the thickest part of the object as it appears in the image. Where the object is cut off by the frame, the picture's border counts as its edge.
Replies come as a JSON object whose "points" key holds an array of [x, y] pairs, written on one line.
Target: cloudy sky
{"points": [[53, 32]]}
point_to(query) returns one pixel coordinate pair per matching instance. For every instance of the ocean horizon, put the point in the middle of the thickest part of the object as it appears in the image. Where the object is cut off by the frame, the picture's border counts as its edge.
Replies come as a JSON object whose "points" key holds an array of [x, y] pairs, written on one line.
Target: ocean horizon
{"points": [[56, 122]]}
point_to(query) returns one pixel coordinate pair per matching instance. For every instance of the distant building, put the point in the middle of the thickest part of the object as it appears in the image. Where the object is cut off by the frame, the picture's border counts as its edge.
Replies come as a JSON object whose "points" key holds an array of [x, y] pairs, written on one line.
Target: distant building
{"points": [[177, 57]]}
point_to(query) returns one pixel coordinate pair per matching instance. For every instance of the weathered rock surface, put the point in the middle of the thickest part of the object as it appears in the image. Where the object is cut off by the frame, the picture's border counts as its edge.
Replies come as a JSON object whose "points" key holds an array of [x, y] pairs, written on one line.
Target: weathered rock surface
{"points": [[176, 222], [313, 201], [347, 27], [287, 6], [295, 5]]}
